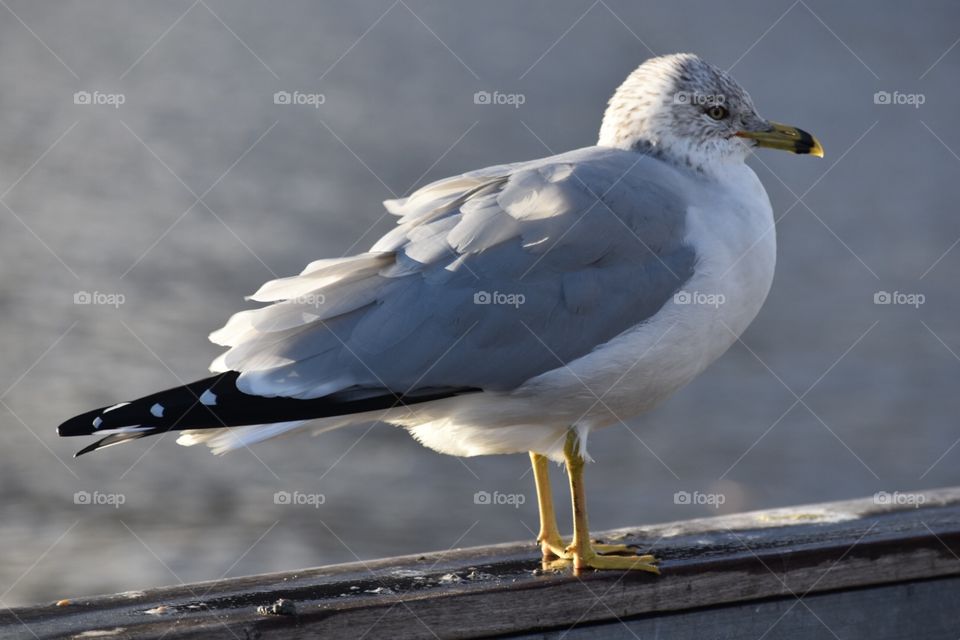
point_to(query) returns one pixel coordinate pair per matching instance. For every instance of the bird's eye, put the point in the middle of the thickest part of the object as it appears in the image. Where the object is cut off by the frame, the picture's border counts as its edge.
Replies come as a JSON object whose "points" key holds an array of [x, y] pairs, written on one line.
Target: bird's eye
{"points": [[718, 112]]}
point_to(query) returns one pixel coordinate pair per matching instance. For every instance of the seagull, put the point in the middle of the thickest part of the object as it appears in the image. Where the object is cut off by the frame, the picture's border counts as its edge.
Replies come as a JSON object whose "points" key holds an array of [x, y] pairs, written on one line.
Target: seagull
{"points": [[516, 308]]}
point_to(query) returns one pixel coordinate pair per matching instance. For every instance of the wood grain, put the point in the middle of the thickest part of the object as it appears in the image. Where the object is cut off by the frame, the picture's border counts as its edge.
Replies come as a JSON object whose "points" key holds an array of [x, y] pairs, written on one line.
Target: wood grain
{"points": [[842, 560]]}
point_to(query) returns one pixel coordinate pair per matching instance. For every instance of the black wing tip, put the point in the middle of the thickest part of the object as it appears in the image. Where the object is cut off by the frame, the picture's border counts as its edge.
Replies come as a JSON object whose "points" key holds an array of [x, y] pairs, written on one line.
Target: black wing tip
{"points": [[136, 412], [87, 449], [181, 408], [90, 448], [115, 438], [81, 425]]}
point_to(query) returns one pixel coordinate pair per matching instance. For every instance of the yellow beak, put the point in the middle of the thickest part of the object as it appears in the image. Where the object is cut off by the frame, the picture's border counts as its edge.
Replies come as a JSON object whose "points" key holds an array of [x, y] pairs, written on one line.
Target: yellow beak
{"points": [[786, 138]]}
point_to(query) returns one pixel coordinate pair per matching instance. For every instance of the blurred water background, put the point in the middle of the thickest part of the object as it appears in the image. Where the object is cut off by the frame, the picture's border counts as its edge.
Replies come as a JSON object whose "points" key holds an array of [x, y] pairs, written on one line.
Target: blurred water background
{"points": [[198, 187]]}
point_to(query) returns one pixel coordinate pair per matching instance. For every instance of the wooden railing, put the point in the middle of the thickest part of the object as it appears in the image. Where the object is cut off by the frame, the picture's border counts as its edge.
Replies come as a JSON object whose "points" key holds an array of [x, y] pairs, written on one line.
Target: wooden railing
{"points": [[877, 568]]}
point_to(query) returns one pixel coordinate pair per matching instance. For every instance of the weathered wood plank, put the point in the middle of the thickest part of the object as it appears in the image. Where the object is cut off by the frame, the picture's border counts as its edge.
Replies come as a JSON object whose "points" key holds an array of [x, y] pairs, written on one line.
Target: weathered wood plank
{"points": [[925, 610], [763, 558]]}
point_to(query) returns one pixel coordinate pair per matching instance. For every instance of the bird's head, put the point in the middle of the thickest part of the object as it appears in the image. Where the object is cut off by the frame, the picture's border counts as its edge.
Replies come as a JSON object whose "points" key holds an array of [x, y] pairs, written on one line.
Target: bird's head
{"points": [[689, 111]]}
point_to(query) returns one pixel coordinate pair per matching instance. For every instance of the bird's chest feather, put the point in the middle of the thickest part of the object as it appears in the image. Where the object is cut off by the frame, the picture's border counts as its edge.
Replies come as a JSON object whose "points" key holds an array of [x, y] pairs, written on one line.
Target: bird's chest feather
{"points": [[735, 239], [732, 233]]}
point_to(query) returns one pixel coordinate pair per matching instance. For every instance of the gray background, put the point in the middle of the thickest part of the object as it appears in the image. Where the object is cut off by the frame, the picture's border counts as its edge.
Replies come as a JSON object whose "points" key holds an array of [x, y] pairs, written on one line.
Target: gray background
{"points": [[102, 199]]}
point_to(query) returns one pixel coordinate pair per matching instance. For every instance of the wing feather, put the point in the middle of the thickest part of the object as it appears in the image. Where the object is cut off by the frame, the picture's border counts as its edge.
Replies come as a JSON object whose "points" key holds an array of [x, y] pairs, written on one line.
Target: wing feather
{"points": [[489, 279]]}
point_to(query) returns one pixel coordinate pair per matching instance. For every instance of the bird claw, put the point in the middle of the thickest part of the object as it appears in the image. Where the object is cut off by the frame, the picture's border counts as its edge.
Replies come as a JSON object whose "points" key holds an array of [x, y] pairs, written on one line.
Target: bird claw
{"points": [[593, 560], [557, 556]]}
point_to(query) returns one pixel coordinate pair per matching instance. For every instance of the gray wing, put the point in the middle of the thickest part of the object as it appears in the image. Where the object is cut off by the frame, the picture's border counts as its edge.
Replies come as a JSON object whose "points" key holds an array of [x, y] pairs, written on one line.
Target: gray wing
{"points": [[489, 279]]}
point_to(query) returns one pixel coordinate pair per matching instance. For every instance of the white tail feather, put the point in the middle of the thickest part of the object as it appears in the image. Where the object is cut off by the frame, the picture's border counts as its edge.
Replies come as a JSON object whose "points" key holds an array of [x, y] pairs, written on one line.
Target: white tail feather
{"points": [[223, 440]]}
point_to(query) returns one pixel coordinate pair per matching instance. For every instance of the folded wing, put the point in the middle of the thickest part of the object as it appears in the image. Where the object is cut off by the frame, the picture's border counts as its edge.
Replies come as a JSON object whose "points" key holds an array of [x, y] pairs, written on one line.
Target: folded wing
{"points": [[489, 279]]}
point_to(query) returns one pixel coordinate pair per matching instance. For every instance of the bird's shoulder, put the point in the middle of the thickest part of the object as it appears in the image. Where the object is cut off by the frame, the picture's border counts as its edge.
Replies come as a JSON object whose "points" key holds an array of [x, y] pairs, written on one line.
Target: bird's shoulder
{"points": [[589, 197]]}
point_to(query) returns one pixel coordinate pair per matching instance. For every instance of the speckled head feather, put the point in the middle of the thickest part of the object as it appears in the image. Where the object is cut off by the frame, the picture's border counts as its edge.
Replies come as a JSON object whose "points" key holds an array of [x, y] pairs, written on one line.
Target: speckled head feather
{"points": [[669, 106]]}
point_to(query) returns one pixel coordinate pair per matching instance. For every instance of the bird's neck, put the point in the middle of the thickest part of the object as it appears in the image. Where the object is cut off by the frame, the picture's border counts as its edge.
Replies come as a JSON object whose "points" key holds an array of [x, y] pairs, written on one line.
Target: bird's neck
{"points": [[708, 161]]}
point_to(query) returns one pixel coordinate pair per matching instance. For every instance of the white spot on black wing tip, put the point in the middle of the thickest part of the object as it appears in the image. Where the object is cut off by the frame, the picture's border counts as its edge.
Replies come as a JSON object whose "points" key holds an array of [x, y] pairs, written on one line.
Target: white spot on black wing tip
{"points": [[97, 422], [116, 406], [157, 410], [208, 398]]}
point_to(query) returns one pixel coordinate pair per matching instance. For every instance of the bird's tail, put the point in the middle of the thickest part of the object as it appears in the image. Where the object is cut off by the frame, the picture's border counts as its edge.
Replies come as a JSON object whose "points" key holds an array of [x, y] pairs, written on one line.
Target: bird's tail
{"points": [[216, 403]]}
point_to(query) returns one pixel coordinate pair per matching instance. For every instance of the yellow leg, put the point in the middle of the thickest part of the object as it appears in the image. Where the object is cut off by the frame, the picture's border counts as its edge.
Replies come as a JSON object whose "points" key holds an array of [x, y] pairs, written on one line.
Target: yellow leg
{"points": [[551, 544], [583, 552]]}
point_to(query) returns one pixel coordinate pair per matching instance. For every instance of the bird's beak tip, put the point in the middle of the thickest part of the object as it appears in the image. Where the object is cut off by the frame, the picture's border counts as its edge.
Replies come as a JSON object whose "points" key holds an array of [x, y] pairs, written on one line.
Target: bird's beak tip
{"points": [[785, 138]]}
